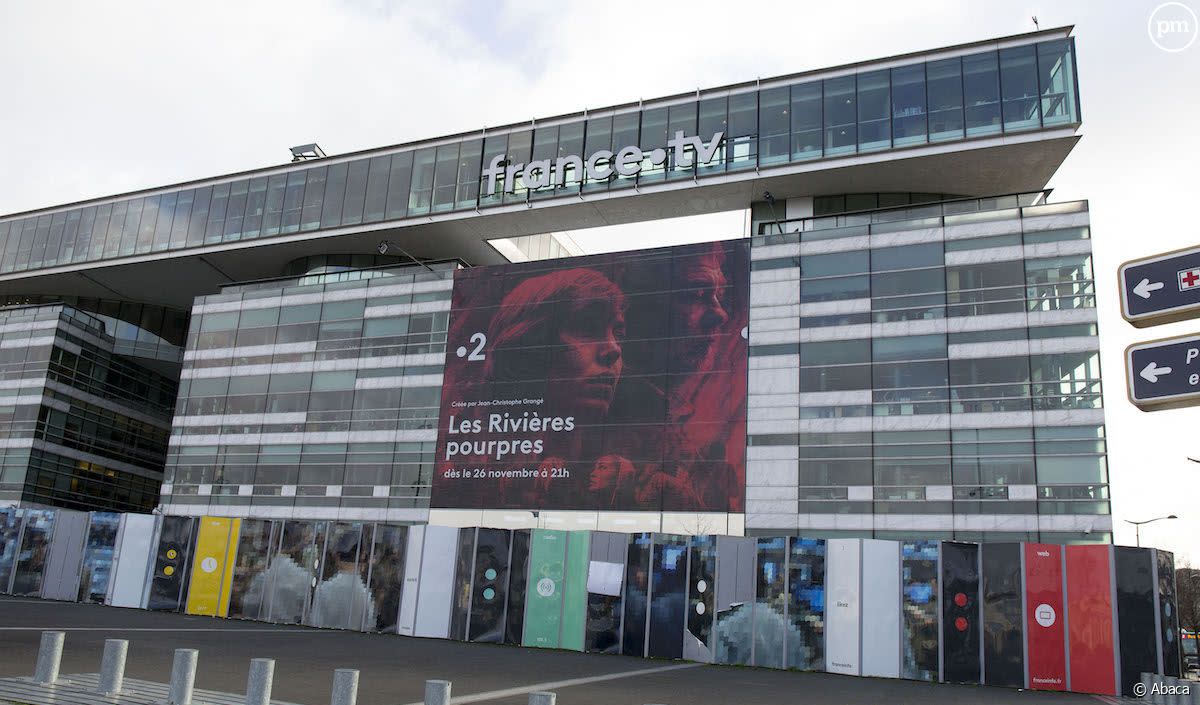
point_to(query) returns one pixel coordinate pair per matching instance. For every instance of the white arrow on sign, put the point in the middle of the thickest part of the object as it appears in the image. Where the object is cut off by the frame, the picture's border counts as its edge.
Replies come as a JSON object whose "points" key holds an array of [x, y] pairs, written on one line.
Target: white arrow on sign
{"points": [[1144, 288], [1152, 372]]}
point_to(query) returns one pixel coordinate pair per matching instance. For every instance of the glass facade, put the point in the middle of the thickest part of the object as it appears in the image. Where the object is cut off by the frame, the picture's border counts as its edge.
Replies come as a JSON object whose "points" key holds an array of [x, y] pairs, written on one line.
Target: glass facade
{"points": [[775, 123], [83, 426], [317, 395], [931, 370]]}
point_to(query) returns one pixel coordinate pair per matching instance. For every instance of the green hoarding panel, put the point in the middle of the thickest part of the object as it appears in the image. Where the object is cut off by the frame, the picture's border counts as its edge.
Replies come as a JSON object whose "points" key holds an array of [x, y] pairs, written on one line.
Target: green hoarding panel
{"points": [[574, 613], [544, 597]]}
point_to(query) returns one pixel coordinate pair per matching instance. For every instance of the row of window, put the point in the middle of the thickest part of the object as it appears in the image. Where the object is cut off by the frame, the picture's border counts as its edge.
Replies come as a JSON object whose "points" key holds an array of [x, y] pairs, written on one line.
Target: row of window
{"points": [[1013, 89]]}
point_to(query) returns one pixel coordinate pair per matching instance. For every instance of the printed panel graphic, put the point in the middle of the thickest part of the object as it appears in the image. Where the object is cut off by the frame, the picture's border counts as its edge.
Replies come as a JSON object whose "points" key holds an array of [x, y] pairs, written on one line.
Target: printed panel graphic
{"points": [[10, 536], [1168, 619], [98, 555], [736, 558], [387, 576], [1135, 614], [341, 599], [490, 587], [35, 547], [606, 382], [544, 597], [668, 597], [248, 591], [212, 568], [168, 583], [574, 616], [843, 615], [61, 579], [436, 593], [1003, 633], [1044, 623], [605, 580], [637, 586], [920, 579], [702, 557], [518, 581], [1090, 611], [960, 612], [806, 609], [770, 603]]}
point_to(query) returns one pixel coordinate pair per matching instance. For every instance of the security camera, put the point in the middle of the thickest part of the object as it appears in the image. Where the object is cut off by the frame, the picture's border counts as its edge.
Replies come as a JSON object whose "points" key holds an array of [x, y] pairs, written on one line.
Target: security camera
{"points": [[382, 247]]}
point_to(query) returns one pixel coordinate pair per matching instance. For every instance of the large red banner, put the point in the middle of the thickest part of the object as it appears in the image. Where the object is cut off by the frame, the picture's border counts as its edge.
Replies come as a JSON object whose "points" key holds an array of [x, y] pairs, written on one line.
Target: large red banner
{"points": [[1044, 616], [609, 382], [1090, 609]]}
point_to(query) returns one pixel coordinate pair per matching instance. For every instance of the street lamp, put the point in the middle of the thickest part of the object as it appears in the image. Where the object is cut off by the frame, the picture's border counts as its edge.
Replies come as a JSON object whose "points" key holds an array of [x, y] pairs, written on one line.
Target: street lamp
{"points": [[1137, 526]]}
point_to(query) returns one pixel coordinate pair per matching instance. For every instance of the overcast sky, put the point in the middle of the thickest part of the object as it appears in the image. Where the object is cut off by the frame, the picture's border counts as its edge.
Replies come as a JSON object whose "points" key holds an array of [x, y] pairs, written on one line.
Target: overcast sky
{"points": [[100, 98]]}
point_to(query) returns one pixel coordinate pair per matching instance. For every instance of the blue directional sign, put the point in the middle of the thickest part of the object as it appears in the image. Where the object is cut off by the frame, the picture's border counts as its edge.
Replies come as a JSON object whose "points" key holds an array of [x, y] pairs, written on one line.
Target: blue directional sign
{"points": [[1162, 288], [1164, 374]]}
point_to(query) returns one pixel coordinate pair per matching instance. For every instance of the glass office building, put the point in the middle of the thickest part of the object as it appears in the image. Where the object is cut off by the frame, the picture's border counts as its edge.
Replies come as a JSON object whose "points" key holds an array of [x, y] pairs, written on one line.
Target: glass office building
{"points": [[928, 370], [923, 352], [312, 396], [82, 425]]}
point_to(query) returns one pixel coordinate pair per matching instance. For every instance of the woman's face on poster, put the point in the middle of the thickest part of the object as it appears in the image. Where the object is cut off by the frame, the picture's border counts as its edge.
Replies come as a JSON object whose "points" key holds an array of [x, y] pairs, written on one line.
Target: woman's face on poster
{"points": [[588, 362]]}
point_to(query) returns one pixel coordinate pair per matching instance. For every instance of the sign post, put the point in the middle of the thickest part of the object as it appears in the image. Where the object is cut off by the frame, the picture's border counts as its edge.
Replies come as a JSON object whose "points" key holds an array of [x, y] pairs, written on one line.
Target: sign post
{"points": [[1161, 289], [1164, 374]]}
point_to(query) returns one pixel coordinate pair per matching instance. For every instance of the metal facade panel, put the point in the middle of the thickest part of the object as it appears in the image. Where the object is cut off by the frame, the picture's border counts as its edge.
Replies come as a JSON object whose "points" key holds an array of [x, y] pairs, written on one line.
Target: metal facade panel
{"points": [[880, 608], [436, 593], [132, 561], [843, 614], [61, 578]]}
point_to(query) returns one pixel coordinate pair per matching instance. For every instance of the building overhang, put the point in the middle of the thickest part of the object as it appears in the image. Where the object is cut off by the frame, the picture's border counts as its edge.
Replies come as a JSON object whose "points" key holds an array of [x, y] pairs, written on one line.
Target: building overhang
{"points": [[986, 166]]}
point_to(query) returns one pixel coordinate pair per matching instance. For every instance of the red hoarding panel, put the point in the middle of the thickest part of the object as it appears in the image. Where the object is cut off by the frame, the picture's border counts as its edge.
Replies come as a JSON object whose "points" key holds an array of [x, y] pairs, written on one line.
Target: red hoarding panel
{"points": [[1044, 617], [609, 382], [1090, 612]]}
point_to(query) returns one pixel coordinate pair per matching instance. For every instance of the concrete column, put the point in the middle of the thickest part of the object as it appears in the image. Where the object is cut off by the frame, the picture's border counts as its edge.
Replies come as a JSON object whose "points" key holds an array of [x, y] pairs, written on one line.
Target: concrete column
{"points": [[258, 684], [437, 692], [112, 666], [541, 698], [183, 677], [49, 657], [345, 687]]}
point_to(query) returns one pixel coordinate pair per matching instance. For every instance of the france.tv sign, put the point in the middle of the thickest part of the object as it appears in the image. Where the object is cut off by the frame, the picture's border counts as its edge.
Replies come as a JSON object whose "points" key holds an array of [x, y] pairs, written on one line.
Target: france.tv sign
{"points": [[598, 166]]}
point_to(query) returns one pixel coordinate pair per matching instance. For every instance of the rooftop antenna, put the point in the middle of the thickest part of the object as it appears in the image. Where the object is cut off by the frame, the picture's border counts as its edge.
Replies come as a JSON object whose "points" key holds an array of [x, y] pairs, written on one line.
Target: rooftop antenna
{"points": [[1035, 23]]}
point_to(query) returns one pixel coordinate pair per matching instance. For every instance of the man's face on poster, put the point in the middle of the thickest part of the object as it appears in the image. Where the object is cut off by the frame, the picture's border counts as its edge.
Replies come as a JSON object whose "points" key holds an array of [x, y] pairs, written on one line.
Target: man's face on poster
{"points": [[697, 310]]}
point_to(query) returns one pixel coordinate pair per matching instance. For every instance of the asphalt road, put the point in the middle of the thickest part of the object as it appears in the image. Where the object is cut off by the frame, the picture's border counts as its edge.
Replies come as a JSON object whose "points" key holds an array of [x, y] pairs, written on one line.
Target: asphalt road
{"points": [[394, 669]]}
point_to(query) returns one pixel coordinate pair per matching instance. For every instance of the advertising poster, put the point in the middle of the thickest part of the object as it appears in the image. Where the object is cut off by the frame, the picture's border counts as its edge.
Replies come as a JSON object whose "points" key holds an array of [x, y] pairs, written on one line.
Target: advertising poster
{"points": [[212, 574], [1044, 629], [609, 382]]}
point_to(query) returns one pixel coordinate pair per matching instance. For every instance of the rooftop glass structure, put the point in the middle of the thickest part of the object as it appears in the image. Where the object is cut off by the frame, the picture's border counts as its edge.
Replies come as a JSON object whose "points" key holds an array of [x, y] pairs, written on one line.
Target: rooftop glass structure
{"points": [[1004, 87]]}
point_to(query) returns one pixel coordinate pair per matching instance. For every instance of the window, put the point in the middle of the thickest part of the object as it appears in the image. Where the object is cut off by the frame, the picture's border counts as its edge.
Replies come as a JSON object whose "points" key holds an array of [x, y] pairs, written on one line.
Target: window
{"points": [[835, 264], [445, 176], [682, 118], [420, 196], [981, 94], [398, 184], [356, 191], [841, 135], [908, 105], [467, 190], [774, 142], [375, 200], [742, 140], [1019, 81], [314, 191], [874, 103], [1056, 79], [713, 119], [806, 121]]}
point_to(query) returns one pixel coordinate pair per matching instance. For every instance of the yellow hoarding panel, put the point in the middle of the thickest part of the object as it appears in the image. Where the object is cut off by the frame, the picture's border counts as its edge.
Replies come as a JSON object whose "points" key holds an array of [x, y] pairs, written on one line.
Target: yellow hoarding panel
{"points": [[212, 567]]}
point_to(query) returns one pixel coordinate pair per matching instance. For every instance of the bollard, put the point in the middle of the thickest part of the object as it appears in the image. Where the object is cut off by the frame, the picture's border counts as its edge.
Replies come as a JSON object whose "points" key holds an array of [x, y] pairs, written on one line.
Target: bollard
{"points": [[345, 687], [541, 698], [258, 684], [112, 666], [49, 658], [183, 677], [437, 692]]}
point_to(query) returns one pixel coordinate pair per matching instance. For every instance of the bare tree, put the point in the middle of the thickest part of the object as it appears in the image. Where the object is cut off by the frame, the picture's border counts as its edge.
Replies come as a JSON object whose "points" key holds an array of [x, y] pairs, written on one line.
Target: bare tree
{"points": [[1187, 586]]}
